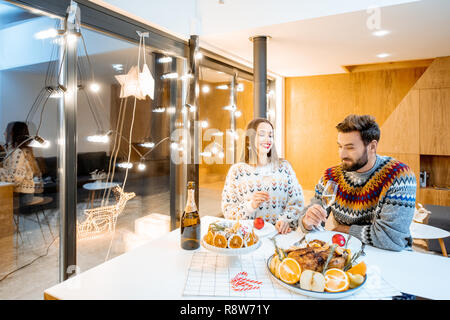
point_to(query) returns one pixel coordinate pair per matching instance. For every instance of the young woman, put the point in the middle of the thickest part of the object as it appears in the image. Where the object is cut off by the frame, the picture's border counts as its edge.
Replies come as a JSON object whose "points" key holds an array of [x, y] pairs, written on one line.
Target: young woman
{"points": [[19, 166], [262, 185]]}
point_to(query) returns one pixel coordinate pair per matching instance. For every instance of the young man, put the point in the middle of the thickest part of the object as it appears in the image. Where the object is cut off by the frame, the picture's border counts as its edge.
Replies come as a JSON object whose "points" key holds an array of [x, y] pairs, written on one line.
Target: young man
{"points": [[376, 195]]}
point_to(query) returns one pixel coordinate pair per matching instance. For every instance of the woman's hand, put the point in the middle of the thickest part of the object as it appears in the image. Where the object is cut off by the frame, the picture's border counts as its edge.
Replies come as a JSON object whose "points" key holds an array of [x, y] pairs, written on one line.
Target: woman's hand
{"points": [[283, 227], [259, 197], [314, 216]]}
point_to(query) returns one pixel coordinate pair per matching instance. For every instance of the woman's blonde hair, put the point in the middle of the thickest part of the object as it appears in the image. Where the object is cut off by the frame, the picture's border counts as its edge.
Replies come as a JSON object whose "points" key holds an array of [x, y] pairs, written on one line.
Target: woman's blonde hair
{"points": [[249, 151]]}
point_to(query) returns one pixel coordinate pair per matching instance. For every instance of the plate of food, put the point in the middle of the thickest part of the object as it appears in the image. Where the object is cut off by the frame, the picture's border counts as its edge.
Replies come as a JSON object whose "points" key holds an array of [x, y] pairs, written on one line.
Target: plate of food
{"points": [[318, 269], [231, 237], [261, 228]]}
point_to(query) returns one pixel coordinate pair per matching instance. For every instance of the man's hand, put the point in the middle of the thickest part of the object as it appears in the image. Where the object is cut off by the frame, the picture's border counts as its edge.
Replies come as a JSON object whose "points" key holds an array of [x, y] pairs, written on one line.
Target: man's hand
{"points": [[314, 216]]}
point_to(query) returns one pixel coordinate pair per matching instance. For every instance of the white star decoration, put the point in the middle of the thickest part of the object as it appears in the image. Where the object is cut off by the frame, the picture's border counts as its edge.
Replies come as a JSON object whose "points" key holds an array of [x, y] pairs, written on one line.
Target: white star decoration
{"points": [[138, 84]]}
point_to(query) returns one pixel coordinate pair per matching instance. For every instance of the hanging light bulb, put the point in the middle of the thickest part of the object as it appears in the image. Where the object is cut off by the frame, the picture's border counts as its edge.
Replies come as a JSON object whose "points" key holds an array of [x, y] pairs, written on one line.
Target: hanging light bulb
{"points": [[238, 114], [39, 142], [147, 145], [95, 87], [125, 165], [141, 166], [204, 124], [98, 138]]}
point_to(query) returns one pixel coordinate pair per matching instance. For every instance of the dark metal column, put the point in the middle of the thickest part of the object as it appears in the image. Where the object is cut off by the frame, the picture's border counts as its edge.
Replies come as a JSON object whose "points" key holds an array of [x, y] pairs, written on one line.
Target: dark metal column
{"points": [[193, 164], [260, 76], [67, 166]]}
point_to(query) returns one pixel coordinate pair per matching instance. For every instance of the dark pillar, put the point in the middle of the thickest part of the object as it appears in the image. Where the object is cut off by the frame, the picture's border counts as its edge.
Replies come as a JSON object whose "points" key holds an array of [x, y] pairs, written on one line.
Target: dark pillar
{"points": [[259, 76]]}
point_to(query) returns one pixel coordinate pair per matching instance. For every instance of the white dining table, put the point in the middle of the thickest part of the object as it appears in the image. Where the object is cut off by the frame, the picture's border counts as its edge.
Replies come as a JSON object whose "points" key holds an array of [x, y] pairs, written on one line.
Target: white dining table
{"points": [[158, 270]]}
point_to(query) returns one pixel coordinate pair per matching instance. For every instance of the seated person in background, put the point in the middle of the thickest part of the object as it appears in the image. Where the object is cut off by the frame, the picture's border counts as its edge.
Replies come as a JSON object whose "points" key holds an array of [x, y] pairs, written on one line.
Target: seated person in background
{"points": [[376, 194], [19, 165], [262, 185]]}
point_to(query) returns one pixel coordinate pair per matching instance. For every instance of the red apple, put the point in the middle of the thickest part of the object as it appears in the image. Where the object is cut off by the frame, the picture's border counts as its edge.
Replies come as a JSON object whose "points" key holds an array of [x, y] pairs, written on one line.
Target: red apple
{"points": [[258, 223], [338, 239]]}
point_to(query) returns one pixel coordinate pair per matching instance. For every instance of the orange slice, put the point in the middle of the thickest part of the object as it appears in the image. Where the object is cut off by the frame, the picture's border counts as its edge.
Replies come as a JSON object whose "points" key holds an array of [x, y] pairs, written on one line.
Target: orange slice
{"points": [[220, 241], [249, 240], [289, 271], [209, 238], [336, 280], [235, 242], [360, 268]]}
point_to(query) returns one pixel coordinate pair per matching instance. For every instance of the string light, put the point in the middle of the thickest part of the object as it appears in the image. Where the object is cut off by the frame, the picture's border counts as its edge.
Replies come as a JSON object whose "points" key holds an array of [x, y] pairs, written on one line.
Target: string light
{"points": [[141, 166], [147, 145], [125, 165]]}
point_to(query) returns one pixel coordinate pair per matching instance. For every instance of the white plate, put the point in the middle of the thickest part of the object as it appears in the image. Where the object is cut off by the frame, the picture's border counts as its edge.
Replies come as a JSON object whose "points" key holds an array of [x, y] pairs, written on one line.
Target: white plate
{"points": [[314, 294], [231, 252], [267, 230], [354, 244]]}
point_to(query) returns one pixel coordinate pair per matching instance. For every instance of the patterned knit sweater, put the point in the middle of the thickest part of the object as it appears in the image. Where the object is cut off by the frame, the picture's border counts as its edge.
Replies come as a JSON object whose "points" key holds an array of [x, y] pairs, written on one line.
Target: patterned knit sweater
{"points": [[286, 195], [377, 204], [17, 169]]}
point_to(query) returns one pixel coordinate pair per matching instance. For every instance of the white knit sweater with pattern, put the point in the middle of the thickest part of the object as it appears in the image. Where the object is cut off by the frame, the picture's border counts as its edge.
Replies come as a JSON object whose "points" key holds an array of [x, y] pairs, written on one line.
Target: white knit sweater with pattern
{"points": [[286, 195]]}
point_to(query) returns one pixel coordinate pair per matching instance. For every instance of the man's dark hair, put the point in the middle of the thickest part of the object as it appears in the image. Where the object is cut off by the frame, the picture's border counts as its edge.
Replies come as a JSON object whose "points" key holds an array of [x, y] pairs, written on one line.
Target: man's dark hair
{"points": [[365, 125]]}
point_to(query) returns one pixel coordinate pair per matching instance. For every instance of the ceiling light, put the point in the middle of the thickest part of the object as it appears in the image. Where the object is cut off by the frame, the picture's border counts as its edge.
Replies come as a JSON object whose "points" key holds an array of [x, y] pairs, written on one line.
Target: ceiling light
{"points": [[204, 124], [380, 33], [205, 89], [238, 114], [383, 55], [240, 87], [222, 87]]}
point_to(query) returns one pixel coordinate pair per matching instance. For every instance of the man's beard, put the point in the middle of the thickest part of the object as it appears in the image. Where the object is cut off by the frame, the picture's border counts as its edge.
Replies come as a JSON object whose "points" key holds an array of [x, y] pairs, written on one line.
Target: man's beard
{"points": [[361, 162]]}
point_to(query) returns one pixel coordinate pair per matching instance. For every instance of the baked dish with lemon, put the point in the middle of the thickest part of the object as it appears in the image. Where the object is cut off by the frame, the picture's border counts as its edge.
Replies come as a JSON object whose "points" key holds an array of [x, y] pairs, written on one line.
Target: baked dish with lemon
{"points": [[318, 267]]}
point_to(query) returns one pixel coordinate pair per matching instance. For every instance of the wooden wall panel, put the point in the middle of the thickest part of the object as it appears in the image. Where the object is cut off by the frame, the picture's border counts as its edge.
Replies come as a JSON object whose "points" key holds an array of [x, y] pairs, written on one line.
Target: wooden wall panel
{"points": [[435, 121], [315, 105]]}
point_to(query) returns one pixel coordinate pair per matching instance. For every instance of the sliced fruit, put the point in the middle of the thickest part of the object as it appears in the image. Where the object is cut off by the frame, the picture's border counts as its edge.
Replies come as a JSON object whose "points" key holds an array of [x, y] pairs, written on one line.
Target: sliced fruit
{"points": [[313, 281], [274, 262], [360, 268], [355, 280], [289, 271], [336, 280], [235, 241], [209, 238], [249, 240], [220, 241]]}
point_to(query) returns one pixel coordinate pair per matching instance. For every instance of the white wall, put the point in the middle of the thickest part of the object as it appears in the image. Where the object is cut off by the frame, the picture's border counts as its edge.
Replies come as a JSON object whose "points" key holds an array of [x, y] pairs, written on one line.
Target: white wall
{"points": [[18, 90]]}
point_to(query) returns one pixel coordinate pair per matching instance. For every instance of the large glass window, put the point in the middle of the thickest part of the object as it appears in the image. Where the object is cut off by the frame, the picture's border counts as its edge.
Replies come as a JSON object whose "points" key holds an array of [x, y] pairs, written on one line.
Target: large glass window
{"points": [[29, 208]]}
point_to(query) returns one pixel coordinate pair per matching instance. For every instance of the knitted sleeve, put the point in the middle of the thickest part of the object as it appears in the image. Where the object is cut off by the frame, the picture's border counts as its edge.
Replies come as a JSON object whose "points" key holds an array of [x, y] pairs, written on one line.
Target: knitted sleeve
{"points": [[233, 205], [295, 200], [390, 228], [14, 168]]}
